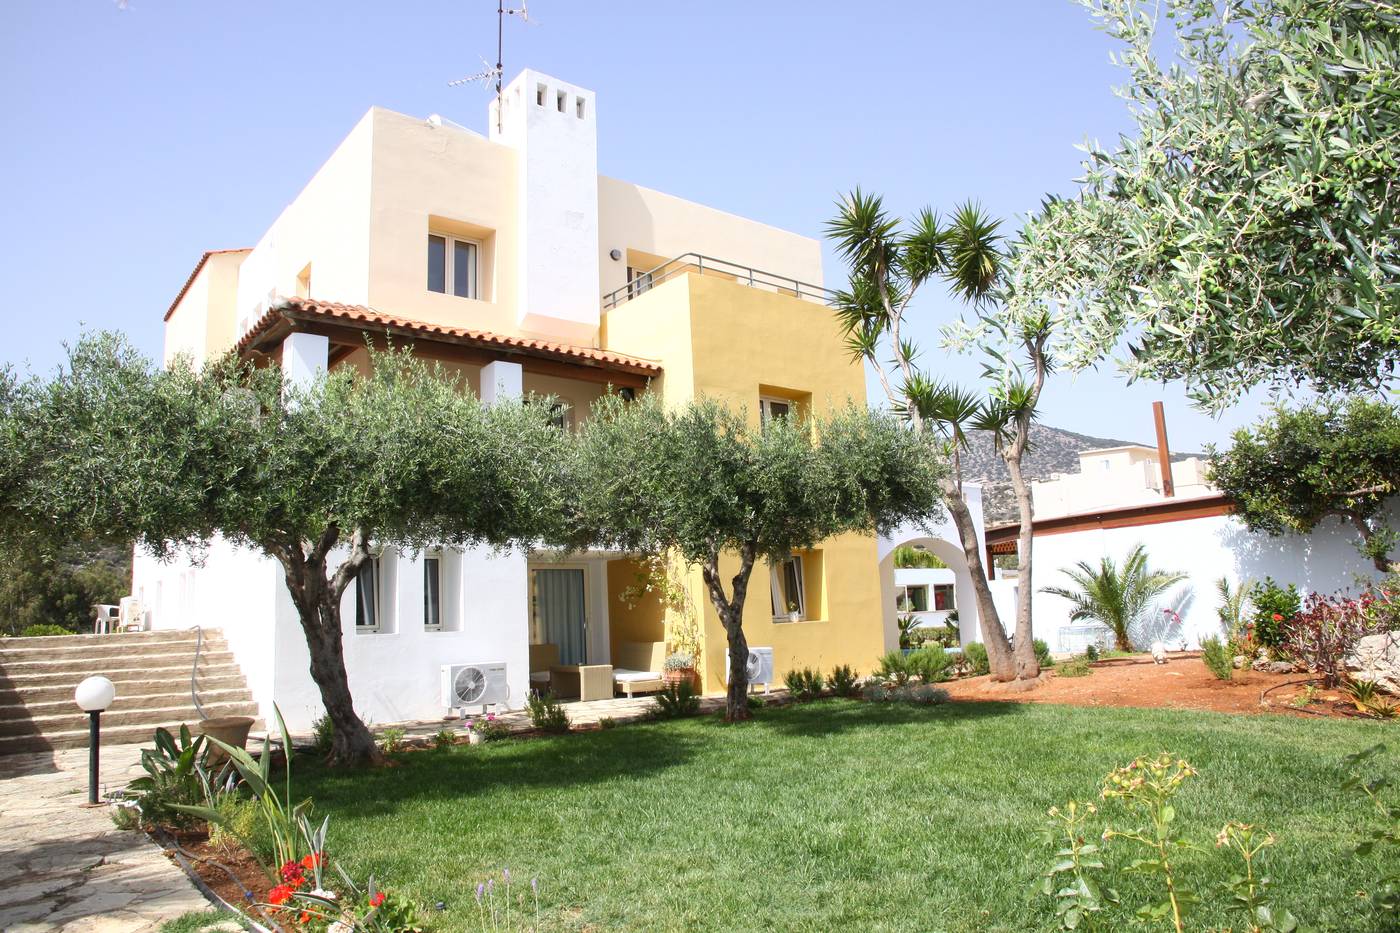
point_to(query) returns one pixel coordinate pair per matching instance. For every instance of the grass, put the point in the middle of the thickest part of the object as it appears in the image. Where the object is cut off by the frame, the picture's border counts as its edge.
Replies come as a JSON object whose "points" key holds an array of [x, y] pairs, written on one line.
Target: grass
{"points": [[838, 815], [197, 920]]}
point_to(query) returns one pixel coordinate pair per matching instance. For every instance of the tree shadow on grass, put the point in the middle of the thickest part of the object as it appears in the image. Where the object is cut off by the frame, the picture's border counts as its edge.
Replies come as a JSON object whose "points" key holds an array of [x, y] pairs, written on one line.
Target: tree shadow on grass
{"points": [[828, 717], [515, 765]]}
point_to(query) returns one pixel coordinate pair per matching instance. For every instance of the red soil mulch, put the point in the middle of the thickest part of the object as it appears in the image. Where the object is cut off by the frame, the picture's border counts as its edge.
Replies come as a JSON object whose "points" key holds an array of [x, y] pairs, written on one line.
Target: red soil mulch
{"points": [[229, 872], [1183, 682]]}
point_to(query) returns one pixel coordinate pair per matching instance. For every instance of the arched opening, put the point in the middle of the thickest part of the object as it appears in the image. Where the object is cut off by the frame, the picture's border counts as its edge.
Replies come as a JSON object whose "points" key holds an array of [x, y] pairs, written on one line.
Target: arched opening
{"points": [[931, 606]]}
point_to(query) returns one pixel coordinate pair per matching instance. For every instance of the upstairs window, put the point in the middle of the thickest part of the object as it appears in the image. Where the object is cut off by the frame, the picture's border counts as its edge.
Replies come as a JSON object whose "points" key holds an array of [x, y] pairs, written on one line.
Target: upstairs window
{"points": [[786, 577], [452, 266], [770, 408]]}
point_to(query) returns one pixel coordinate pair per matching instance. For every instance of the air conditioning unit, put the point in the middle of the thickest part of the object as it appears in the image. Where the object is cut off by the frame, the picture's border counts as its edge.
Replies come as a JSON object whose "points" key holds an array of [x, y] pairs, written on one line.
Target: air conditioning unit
{"points": [[483, 684], [759, 668]]}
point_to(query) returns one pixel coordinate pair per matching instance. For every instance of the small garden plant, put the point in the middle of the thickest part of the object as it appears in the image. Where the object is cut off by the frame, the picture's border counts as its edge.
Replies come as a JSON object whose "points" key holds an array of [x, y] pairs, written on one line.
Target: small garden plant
{"points": [[676, 701], [844, 682], [805, 683], [546, 713], [1217, 658]]}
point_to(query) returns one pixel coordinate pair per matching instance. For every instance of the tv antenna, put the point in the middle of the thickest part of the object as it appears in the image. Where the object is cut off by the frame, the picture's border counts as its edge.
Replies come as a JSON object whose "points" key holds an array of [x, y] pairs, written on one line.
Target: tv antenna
{"points": [[488, 72]]}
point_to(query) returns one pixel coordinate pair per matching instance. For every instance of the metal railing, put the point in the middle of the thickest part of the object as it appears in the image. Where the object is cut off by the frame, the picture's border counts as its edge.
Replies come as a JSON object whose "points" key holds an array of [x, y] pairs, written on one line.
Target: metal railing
{"points": [[194, 673], [708, 265]]}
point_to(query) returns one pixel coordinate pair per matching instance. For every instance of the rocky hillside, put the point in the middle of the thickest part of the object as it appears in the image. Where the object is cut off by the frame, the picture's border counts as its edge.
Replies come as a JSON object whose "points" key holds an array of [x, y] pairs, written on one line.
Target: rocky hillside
{"points": [[1051, 451]]}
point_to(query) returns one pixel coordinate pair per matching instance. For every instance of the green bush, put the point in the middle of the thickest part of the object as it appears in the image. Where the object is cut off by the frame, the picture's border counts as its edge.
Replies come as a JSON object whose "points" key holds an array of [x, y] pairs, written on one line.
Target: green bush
{"points": [[240, 823], [323, 734], [1217, 658], [174, 777], [444, 739], [804, 684], [676, 701], [1042, 653], [1091, 653], [546, 713], [930, 664], [1272, 600], [843, 681], [894, 667], [976, 654], [43, 629], [391, 741], [1077, 666]]}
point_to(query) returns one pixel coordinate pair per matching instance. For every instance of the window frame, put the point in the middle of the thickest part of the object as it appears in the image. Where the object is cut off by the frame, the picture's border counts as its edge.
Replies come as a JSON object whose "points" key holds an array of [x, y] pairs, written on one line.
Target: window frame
{"points": [[375, 567], [449, 267], [433, 557], [951, 604], [777, 581], [765, 408]]}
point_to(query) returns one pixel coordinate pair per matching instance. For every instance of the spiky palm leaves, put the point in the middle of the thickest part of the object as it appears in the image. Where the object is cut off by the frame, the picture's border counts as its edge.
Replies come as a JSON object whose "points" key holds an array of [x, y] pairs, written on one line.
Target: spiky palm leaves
{"points": [[1113, 595]]}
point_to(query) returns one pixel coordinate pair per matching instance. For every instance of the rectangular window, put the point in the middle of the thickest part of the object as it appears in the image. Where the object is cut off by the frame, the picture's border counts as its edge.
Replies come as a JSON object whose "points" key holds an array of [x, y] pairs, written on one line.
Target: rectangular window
{"points": [[539, 94], [561, 415], [561, 101], [915, 599], [578, 107], [367, 596], [943, 597], [432, 592], [637, 282], [786, 577], [452, 260], [770, 408]]}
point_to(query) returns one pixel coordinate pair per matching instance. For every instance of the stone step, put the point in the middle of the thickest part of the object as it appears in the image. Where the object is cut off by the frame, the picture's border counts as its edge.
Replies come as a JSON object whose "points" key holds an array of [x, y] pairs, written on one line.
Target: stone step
{"points": [[61, 648], [129, 683], [77, 720], [124, 661], [114, 735], [173, 696], [164, 672], [49, 641]]}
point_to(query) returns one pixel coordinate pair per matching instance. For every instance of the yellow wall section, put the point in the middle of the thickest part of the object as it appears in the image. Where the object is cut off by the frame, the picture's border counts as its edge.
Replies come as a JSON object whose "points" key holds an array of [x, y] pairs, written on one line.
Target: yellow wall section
{"points": [[643, 621]]}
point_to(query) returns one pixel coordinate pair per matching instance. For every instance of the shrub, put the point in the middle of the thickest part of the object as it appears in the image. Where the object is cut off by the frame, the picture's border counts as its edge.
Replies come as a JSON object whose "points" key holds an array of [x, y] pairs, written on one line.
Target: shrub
{"points": [[920, 695], [1042, 653], [843, 680], [444, 739], [607, 722], [894, 667], [240, 823], [1091, 653], [43, 629], [976, 654], [323, 734], [546, 713], [174, 778], [804, 684], [1217, 658], [488, 727], [929, 664], [1077, 666], [676, 701], [680, 661], [1274, 608], [1327, 629], [391, 741]]}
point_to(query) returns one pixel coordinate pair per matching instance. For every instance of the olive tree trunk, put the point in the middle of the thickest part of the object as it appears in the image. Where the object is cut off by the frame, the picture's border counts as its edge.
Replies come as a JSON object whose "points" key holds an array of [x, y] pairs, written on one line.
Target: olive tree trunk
{"points": [[317, 595], [731, 615], [1027, 664], [1373, 544]]}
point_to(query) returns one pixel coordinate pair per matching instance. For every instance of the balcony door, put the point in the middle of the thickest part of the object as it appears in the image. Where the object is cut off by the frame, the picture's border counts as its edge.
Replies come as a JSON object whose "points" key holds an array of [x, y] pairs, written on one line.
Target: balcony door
{"points": [[559, 612]]}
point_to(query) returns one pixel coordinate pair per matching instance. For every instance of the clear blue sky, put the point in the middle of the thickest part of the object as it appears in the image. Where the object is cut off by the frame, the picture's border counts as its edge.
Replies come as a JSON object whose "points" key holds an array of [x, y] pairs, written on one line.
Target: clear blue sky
{"points": [[136, 139]]}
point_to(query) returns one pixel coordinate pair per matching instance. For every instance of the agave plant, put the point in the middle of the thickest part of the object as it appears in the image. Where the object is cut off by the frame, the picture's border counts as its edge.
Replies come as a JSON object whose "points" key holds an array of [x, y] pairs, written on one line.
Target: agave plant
{"points": [[1115, 596]]}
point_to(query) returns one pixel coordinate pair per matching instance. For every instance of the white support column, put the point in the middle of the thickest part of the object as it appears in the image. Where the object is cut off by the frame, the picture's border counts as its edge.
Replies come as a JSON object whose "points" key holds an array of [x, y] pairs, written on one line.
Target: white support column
{"points": [[501, 380], [304, 358]]}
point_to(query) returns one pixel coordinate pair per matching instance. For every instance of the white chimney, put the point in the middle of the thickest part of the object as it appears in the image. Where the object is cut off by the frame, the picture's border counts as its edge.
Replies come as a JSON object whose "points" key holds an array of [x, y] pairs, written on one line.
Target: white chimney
{"points": [[553, 126]]}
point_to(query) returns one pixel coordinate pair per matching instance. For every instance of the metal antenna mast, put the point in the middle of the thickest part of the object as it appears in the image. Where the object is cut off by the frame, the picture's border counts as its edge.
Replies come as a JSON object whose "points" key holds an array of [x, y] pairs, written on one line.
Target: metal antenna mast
{"points": [[498, 72]]}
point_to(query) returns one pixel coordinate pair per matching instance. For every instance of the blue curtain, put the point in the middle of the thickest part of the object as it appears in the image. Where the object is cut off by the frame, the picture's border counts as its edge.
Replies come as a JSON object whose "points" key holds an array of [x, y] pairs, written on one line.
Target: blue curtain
{"points": [[560, 595]]}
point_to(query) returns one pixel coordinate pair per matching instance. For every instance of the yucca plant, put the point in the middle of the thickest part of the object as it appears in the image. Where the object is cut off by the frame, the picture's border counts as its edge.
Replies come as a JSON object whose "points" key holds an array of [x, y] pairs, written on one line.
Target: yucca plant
{"points": [[1115, 596]]}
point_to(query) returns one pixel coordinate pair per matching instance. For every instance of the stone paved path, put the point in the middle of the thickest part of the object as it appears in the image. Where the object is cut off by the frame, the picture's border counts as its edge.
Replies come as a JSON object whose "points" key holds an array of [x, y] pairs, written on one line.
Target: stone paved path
{"points": [[68, 868]]}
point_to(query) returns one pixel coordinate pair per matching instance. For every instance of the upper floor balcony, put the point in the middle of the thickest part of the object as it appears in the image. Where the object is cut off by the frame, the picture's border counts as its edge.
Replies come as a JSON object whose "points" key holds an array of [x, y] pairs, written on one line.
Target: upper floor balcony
{"points": [[697, 264]]}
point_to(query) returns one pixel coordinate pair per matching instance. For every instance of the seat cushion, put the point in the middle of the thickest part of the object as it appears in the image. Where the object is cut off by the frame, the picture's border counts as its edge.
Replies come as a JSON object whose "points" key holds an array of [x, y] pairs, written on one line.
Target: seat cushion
{"points": [[623, 675]]}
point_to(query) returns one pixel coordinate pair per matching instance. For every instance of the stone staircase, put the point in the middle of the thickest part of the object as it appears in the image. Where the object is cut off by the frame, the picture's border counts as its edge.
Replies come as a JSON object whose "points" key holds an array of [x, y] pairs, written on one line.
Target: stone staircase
{"points": [[151, 671]]}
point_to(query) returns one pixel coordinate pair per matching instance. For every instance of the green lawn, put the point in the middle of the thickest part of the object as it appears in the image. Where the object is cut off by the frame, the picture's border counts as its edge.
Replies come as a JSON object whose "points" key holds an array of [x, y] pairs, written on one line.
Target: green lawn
{"points": [[835, 815]]}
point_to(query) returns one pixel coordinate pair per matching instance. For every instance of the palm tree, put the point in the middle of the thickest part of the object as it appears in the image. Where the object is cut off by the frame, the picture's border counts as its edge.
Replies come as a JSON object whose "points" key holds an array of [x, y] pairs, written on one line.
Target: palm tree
{"points": [[1116, 596], [1234, 604]]}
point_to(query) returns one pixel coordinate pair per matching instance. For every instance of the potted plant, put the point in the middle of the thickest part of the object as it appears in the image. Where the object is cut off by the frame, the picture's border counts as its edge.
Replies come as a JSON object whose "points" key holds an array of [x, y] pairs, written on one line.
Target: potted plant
{"points": [[794, 611], [679, 668]]}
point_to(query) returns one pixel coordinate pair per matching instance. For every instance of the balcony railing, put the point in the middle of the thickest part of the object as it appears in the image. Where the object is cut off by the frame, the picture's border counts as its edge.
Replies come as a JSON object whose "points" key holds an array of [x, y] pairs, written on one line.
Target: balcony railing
{"points": [[708, 265]]}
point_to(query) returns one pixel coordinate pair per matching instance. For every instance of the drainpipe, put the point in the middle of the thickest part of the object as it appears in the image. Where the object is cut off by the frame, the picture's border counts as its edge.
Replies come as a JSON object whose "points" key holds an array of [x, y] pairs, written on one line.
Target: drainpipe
{"points": [[1164, 456]]}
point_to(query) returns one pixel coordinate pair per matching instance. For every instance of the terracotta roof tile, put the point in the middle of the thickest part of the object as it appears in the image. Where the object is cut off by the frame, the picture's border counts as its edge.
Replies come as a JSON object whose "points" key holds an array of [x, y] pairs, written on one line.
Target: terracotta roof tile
{"points": [[310, 309], [197, 266]]}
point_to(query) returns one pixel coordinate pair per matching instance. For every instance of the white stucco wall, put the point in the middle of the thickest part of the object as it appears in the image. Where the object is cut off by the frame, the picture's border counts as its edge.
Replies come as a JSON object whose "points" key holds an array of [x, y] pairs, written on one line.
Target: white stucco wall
{"points": [[929, 577], [1205, 549]]}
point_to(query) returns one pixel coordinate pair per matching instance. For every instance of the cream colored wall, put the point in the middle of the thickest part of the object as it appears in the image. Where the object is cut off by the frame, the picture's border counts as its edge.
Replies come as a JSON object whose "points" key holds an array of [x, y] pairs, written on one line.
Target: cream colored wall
{"points": [[202, 324], [637, 218], [187, 326], [327, 225]]}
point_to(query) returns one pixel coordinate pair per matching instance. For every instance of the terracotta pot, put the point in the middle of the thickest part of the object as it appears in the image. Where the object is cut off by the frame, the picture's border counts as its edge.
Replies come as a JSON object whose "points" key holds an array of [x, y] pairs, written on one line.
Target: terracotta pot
{"points": [[685, 675], [231, 730]]}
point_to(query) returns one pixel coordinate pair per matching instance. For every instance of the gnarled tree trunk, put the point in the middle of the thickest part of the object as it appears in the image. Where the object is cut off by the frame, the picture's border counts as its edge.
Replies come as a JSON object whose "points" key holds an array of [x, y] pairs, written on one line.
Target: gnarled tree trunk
{"points": [[1027, 664], [999, 659], [731, 616], [317, 597]]}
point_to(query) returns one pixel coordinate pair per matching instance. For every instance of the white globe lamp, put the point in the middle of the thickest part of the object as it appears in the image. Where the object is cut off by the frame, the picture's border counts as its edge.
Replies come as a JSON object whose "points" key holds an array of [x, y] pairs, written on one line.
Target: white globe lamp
{"points": [[94, 695]]}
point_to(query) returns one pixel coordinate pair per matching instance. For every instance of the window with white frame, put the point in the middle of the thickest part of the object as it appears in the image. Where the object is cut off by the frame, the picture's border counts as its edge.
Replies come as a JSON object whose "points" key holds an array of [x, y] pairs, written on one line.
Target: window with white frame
{"points": [[432, 591], [914, 598], [788, 599], [943, 597], [770, 408], [638, 281], [452, 266], [369, 599]]}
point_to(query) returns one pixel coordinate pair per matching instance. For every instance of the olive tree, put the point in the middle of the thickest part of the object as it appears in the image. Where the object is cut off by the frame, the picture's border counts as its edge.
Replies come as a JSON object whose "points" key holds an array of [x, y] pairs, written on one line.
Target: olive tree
{"points": [[312, 476], [1337, 458], [1243, 233], [701, 481]]}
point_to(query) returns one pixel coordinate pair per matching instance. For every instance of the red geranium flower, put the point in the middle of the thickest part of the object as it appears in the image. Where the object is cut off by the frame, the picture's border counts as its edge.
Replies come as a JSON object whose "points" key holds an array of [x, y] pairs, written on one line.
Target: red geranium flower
{"points": [[280, 894], [377, 899], [311, 861]]}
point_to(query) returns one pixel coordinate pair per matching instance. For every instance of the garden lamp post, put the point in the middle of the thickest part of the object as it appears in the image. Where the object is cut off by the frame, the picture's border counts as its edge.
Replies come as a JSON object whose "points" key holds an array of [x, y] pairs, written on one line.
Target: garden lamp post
{"points": [[94, 695]]}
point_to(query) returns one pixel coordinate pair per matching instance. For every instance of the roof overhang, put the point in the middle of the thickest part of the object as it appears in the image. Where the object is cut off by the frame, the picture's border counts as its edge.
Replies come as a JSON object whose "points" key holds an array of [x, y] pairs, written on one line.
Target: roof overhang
{"points": [[1002, 538]]}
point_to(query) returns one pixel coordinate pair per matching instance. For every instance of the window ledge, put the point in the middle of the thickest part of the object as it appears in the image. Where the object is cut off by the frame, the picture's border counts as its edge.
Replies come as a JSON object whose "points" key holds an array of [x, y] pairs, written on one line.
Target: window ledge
{"points": [[784, 620]]}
